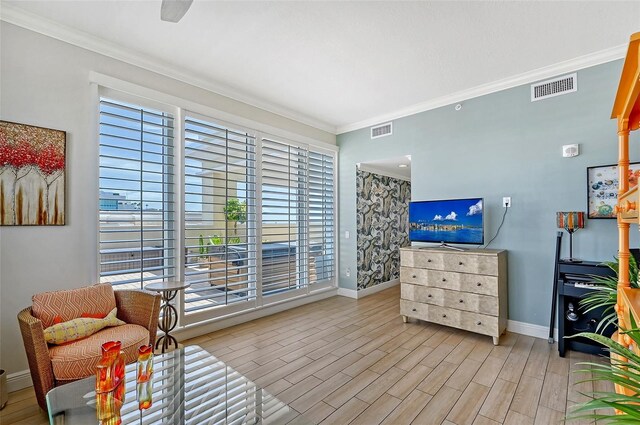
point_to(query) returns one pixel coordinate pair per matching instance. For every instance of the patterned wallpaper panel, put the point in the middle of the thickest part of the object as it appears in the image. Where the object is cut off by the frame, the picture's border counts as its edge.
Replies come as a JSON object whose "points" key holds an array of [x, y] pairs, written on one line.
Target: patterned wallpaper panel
{"points": [[382, 223]]}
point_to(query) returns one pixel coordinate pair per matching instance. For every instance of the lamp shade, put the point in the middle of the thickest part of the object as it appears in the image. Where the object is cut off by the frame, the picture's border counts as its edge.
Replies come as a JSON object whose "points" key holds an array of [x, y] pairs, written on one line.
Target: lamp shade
{"points": [[570, 220]]}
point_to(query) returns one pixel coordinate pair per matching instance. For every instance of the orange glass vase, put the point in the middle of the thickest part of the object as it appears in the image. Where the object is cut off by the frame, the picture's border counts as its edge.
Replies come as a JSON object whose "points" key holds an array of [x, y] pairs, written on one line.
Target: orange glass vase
{"points": [[144, 378], [110, 371], [109, 405]]}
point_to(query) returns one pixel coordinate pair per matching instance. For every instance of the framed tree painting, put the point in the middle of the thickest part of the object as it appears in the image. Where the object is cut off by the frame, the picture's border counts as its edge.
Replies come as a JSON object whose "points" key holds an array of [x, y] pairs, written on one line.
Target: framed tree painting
{"points": [[602, 188], [32, 175]]}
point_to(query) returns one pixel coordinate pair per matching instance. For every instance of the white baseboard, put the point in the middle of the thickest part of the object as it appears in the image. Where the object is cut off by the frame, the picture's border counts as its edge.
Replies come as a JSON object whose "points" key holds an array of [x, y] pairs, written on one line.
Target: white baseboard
{"points": [[530, 329], [18, 380], [377, 288], [351, 293]]}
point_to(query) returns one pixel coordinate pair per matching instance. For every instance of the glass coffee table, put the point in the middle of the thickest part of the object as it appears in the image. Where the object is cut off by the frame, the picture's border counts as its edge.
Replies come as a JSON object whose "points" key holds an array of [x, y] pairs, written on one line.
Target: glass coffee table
{"points": [[190, 386]]}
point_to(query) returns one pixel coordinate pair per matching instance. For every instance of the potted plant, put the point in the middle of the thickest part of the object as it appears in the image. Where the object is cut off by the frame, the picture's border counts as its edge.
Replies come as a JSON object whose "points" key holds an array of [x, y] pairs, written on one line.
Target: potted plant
{"points": [[605, 294], [3, 388], [626, 374], [202, 249], [235, 211]]}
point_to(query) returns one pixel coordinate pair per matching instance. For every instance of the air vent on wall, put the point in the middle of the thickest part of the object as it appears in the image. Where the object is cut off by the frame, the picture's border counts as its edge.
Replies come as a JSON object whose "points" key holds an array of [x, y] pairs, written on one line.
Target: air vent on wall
{"points": [[381, 130], [554, 87]]}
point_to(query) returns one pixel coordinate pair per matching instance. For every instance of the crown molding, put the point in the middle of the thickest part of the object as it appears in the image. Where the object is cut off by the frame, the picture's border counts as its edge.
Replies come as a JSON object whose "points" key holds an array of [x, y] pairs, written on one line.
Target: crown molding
{"points": [[572, 65], [22, 18]]}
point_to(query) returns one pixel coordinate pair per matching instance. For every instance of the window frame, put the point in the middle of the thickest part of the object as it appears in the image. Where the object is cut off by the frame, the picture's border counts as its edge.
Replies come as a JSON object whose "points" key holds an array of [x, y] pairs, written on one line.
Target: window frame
{"points": [[228, 309], [334, 205], [113, 96], [119, 90]]}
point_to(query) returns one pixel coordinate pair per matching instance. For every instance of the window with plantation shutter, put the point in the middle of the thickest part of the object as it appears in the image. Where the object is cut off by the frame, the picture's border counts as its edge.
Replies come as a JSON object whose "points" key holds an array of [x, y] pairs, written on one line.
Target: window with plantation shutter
{"points": [[246, 218], [321, 216], [285, 248], [220, 218], [136, 194]]}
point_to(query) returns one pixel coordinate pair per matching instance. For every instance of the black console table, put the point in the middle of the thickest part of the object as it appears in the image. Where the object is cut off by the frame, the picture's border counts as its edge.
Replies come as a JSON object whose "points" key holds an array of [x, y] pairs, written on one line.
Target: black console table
{"points": [[573, 281]]}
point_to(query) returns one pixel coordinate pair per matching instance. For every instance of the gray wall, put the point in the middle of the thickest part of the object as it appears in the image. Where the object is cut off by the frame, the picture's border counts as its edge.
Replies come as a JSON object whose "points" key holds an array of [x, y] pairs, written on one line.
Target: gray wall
{"points": [[45, 82], [504, 145]]}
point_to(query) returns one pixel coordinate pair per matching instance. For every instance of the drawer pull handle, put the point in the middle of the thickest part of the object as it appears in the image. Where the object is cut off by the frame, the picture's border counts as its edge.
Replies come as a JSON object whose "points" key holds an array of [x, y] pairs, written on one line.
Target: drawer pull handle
{"points": [[479, 323], [479, 284], [414, 310], [444, 280], [461, 300], [428, 260], [414, 276], [460, 263], [444, 315], [429, 296]]}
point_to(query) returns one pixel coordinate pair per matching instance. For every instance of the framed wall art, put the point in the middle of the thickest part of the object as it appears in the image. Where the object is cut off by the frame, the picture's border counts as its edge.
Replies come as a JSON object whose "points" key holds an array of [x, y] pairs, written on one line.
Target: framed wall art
{"points": [[32, 175], [602, 188]]}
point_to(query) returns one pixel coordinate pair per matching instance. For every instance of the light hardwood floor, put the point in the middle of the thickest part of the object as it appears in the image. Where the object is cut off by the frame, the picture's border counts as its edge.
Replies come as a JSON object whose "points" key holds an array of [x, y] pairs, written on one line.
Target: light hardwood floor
{"points": [[345, 361]]}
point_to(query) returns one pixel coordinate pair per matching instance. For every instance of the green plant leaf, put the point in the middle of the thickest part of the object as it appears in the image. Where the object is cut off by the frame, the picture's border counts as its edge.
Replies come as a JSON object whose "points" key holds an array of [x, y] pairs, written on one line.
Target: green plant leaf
{"points": [[614, 346], [605, 294], [625, 374]]}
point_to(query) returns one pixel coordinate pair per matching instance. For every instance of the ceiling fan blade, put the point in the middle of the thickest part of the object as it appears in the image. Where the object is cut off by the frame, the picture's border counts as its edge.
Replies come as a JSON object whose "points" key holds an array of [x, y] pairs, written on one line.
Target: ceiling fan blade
{"points": [[174, 10]]}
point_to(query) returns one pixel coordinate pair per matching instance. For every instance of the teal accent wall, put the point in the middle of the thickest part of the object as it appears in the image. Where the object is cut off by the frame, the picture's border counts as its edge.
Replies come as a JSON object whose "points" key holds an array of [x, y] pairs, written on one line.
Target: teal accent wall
{"points": [[502, 144]]}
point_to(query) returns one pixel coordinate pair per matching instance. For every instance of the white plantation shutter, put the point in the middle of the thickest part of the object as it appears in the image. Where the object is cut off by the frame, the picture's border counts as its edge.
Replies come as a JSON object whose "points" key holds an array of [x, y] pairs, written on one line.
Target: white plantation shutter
{"points": [[136, 223], [220, 254], [285, 249], [279, 244], [321, 216]]}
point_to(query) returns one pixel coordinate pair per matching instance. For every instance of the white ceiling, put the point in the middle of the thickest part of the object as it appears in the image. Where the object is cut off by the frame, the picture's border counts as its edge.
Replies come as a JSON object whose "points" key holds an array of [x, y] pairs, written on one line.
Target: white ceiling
{"points": [[390, 167], [339, 63]]}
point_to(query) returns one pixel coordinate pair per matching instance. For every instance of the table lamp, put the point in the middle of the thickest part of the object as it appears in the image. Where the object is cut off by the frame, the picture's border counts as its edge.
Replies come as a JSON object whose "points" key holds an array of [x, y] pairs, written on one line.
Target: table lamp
{"points": [[570, 221]]}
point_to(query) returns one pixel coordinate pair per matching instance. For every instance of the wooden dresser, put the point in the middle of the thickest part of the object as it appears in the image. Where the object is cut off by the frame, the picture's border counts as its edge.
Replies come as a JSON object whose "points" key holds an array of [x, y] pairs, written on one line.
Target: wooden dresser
{"points": [[461, 289]]}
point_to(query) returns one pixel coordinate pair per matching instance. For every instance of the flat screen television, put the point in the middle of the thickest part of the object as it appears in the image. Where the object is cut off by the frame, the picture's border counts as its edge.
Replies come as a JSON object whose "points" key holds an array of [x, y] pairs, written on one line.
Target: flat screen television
{"points": [[457, 221]]}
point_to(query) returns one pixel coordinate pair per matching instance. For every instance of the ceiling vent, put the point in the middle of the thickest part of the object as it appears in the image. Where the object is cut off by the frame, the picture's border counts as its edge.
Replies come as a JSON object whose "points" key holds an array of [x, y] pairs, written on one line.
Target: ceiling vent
{"points": [[554, 87], [381, 130]]}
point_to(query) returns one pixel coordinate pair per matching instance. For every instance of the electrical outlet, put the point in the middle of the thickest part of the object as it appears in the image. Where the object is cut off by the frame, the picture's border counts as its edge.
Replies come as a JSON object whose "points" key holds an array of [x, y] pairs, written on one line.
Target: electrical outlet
{"points": [[506, 201], [348, 272]]}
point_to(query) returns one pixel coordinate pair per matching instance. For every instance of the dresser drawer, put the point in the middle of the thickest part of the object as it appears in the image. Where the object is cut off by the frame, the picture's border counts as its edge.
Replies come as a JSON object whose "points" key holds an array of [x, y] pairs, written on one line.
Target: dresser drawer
{"points": [[422, 294], [466, 301], [414, 309], [414, 275], [477, 284], [473, 322], [425, 259], [469, 263]]}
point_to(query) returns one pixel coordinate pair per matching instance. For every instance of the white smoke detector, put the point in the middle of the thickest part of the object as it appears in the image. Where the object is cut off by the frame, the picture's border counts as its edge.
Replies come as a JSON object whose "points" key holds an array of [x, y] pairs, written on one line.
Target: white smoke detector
{"points": [[569, 151]]}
